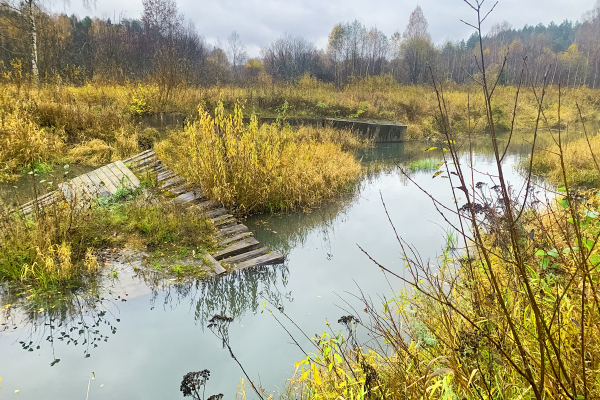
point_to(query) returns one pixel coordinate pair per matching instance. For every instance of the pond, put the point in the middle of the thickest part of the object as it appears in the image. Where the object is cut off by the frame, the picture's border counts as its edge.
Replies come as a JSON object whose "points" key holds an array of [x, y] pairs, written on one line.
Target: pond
{"points": [[138, 338]]}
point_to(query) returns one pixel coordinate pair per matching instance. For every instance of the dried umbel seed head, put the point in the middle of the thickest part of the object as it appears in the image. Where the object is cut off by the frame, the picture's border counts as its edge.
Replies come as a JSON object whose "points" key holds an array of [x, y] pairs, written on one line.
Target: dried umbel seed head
{"points": [[348, 319], [192, 381], [216, 396], [219, 318]]}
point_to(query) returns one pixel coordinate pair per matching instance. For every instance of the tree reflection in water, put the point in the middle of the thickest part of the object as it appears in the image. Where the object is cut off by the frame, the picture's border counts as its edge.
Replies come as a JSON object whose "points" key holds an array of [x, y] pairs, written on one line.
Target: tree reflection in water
{"points": [[233, 294], [78, 318]]}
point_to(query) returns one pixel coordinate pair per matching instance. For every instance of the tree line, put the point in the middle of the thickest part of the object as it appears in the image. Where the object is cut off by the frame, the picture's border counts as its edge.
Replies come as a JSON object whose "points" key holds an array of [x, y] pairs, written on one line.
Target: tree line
{"points": [[161, 45]]}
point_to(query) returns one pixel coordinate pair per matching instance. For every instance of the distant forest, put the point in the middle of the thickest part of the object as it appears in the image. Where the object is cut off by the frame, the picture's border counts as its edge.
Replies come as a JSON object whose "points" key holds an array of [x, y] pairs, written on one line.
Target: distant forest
{"points": [[161, 46]]}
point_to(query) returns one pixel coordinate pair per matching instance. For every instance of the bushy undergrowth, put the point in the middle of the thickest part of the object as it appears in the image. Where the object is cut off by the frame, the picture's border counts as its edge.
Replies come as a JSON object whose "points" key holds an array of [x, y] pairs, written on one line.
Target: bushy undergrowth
{"points": [[260, 168], [581, 159], [57, 245]]}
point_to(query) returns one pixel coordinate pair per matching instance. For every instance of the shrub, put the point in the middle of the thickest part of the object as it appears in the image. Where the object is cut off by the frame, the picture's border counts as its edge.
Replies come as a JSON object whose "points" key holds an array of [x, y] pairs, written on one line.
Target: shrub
{"points": [[259, 168]]}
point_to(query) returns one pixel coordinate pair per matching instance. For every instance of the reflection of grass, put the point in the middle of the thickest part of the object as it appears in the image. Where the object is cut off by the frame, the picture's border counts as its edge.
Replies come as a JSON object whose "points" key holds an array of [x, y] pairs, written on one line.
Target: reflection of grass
{"points": [[425, 165]]}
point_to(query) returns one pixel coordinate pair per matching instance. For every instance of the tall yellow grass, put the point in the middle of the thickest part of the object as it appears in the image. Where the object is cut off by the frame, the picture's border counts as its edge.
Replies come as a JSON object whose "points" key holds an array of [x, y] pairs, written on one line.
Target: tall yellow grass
{"points": [[580, 166], [101, 122], [258, 168]]}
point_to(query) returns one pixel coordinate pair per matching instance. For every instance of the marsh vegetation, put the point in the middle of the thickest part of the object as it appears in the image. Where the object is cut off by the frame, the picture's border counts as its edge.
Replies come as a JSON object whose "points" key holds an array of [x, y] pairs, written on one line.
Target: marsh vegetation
{"points": [[508, 308]]}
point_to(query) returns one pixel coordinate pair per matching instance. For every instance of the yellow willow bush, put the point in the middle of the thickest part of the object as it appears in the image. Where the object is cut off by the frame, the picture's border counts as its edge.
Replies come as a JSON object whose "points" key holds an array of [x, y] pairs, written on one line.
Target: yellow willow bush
{"points": [[257, 168]]}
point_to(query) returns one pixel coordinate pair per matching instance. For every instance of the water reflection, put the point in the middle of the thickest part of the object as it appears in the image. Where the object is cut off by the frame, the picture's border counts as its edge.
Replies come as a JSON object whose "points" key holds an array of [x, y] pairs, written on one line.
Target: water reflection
{"points": [[79, 318], [233, 295]]}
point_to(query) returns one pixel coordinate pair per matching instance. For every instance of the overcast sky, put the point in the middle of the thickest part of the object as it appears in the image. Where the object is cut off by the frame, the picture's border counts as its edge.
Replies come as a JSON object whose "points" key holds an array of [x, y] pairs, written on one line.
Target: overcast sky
{"points": [[259, 22]]}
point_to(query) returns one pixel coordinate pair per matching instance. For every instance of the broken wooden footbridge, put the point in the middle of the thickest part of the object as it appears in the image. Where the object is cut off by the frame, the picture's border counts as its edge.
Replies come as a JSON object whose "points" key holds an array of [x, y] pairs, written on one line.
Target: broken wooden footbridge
{"points": [[240, 249]]}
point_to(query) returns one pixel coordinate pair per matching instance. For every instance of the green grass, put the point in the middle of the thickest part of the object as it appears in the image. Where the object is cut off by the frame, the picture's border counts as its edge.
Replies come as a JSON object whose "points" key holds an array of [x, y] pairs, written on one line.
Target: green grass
{"points": [[424, 165], [57, 248]]}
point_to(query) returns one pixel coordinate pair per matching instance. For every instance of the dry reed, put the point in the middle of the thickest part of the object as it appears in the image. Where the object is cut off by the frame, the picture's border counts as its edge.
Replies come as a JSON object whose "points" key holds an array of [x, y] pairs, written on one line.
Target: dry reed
{"points": [[259, 168]]}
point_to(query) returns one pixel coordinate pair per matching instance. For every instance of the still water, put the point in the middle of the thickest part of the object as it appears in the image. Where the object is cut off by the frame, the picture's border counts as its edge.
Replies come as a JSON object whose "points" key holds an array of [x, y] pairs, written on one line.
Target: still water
{"points": [[142, 338]]}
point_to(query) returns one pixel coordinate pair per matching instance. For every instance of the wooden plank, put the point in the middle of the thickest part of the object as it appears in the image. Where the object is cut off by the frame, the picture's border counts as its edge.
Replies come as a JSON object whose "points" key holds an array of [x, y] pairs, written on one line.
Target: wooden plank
{"points": [[146, 156], [79, 188], [207, 205], [115, 180], [122, 179], [163, 176], [245, 256], [143, 162], [180, 190], [138, 156], [172, 182], [147, 167], [217, 212], [112, 189], [185, 198], [103, 190], [222, 220], [92, 188], [235, 238], [232, 230], [134, 179], [216, 266], [267, 259], [237, 248]]}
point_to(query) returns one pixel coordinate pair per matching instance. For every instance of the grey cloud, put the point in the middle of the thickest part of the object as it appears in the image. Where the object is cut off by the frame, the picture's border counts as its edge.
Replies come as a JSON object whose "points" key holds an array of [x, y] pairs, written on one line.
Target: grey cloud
{"points": [[259, 22]]}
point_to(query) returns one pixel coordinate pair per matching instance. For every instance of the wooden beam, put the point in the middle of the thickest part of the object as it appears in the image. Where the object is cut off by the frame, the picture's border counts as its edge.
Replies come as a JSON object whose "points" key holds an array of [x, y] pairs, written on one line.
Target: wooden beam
{"points": [[237, 248], [123, 168], [267, 259], [216, 266]]}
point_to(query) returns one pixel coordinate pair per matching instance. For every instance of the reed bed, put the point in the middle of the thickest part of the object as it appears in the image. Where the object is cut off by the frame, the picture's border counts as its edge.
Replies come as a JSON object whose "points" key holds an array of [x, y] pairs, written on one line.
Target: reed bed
{"points": [[581, 159], [260, 168], [54, 123]]}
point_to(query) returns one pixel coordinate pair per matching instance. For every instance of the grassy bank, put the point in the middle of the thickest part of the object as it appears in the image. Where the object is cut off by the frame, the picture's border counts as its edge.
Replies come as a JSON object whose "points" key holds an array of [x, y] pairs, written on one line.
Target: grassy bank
{"points": [[97, 123], [58, 247], [266, 168], [581, 162]]}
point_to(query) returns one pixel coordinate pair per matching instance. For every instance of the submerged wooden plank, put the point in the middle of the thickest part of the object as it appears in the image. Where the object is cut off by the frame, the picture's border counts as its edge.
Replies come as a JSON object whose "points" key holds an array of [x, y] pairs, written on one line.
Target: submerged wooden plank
{"points": [[49, 200], [235, 238], [232, 230], [40, 200], [267, 259], [216, 266], [237, 248], [134, 179], [245, 256]]}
